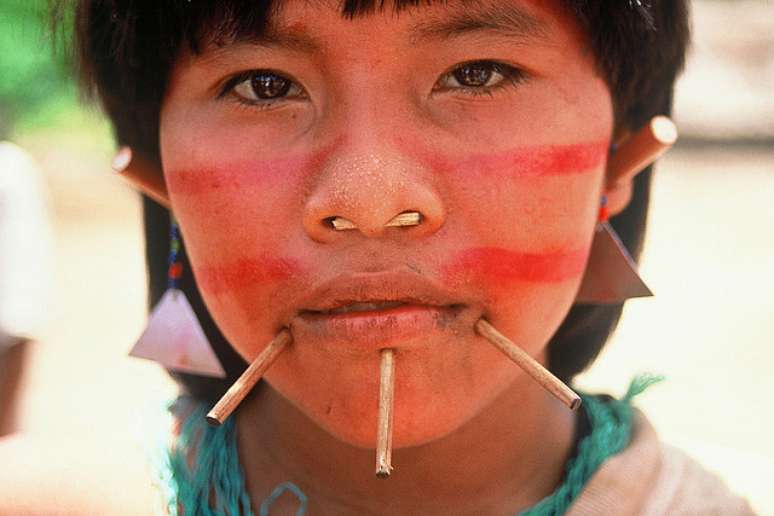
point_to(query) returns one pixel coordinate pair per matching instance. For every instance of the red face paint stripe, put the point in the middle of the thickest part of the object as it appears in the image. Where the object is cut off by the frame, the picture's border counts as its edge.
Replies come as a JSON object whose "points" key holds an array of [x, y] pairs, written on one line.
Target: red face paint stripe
{"points": [[505, 265], [244, 273], [529, 161], [233, 176], [241, 174]]}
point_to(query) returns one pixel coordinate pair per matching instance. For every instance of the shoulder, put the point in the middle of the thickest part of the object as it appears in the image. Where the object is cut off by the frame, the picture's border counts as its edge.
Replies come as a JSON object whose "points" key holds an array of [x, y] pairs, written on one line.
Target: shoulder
{"points": [[685, 487], [650, 478], [73, 477]]}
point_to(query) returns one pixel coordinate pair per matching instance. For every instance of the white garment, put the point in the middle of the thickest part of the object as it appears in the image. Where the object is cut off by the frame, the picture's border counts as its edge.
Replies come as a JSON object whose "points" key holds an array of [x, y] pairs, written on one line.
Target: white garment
{"points": [[650, 478], [25, 246]]}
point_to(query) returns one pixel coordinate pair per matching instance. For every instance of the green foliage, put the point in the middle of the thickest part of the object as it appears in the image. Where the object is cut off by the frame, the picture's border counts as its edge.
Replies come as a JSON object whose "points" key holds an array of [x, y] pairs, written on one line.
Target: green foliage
{"points": [[33, 77]]}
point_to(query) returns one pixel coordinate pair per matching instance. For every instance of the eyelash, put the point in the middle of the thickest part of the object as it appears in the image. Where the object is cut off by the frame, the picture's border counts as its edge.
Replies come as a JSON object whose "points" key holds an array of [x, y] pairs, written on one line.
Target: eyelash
{"points": [[511, 77], [229, 88]]}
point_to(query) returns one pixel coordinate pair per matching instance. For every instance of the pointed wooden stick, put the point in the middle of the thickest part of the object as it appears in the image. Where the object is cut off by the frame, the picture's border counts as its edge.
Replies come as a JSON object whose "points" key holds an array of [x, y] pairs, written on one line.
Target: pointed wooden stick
{"points": [[384, 428], [341, 224], [611, 275], [641, 149], [244, 384], [530, 366], [407, 218], [143, 175]]}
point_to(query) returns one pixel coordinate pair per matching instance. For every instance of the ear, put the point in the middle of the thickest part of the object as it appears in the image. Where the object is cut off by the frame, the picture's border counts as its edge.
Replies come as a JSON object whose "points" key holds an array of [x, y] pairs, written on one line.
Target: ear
{"points": [[619, 193], [143, 174], [630, 155]]}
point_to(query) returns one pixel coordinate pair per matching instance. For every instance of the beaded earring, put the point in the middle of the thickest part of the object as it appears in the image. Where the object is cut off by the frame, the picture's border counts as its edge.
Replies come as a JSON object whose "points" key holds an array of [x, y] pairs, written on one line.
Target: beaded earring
{"points": [[174, 338], [611, 274]]}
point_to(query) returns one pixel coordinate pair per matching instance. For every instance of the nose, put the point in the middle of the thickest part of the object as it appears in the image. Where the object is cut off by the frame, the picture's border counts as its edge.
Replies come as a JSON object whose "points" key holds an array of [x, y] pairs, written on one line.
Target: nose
{"points": [[372, 191]]}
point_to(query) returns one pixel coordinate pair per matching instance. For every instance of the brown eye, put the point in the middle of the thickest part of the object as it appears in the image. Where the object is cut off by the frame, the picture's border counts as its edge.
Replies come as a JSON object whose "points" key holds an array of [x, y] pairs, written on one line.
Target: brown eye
{"points": [[474, 74], [260, 86], [269, 85], [480, 76]]}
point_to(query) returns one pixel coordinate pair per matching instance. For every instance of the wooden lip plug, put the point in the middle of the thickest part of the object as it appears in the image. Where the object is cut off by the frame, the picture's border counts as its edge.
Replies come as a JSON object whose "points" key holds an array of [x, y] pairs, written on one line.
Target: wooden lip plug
{"points": [[245, 383], [384, 428], [637, 151], [404, 219], [530, 366], [611, 275], [142, 174]]}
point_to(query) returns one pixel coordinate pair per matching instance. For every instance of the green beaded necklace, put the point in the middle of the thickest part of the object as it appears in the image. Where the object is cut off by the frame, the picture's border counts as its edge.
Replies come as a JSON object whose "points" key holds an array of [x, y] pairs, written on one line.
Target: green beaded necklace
{"points": [[215, 484]]}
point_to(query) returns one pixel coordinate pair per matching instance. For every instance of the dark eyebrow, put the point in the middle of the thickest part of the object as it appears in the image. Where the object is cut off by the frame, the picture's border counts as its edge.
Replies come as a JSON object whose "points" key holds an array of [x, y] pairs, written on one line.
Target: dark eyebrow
{"points": [[278, 36], [504, 19]]}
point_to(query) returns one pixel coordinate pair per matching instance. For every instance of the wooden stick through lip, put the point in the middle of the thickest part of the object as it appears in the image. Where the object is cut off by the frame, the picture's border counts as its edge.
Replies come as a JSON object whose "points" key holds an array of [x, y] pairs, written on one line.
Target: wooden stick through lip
{"points": [[244, 384], [384, 428], [642, 148], [142, 174], [634, 153], [530, 366]]}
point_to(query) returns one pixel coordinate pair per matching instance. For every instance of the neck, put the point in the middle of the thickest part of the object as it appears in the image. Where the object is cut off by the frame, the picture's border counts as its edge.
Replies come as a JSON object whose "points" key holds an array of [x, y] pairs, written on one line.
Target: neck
{"points": [[527, 438]]}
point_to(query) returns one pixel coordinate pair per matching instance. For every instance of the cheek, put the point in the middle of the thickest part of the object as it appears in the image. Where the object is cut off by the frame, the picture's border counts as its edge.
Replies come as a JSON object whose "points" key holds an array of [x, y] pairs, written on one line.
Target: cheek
{"points": [[501, 268], [530, 214], [531, 211], [230, 213], [231, 210]]}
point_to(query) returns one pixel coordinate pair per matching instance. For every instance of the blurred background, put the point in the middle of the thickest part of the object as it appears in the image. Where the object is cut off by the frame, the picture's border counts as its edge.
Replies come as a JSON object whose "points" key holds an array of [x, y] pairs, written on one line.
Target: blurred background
{"points": [[708, 257]]}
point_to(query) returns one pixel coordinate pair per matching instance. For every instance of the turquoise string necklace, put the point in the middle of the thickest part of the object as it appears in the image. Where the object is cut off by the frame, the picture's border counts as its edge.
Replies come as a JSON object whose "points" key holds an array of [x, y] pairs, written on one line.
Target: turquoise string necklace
{"points": [[214, 485], [611, 429]]}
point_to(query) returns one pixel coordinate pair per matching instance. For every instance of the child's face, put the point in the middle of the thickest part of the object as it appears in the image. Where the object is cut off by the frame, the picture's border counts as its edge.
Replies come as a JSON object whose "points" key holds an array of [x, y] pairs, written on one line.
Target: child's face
{"points": [[487, 117]]}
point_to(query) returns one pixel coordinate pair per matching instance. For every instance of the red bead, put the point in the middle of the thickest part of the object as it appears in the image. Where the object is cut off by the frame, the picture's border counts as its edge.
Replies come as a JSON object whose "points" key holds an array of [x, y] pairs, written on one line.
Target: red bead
{"points": [[176, 270], [604, 214]]}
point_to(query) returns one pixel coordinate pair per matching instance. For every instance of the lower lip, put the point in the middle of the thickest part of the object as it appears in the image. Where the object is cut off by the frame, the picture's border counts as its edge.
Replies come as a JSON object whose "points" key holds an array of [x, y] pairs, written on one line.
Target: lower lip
{"points": [[376, 329]]}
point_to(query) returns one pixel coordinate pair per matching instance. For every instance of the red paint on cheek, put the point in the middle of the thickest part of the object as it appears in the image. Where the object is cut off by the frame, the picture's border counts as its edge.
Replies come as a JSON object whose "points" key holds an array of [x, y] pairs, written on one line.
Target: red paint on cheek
{"points": [[528, 161], [245, 272], [232, 175], [243, 174], [499, 266]]}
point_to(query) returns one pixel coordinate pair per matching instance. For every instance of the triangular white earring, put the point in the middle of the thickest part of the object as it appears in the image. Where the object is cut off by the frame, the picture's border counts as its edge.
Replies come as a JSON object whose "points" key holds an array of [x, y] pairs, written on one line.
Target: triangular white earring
{"points": [[174, 338], [611, 274]]}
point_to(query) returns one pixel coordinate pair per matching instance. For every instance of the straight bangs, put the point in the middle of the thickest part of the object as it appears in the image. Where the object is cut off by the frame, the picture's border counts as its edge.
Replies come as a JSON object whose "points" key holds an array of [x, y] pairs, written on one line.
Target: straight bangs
{"points": [[224, 22]]}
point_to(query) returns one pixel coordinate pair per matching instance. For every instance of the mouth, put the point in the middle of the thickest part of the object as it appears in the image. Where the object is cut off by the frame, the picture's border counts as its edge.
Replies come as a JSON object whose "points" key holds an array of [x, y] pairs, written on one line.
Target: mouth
{"points": [[374, 325], [377, 306], [372, 311], [383, 305]]}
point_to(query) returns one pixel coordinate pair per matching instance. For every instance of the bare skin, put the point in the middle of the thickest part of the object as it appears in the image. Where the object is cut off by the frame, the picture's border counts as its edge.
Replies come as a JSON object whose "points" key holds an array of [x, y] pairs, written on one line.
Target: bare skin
{"points": [[519, 462], [375, 121], [244, 214]]}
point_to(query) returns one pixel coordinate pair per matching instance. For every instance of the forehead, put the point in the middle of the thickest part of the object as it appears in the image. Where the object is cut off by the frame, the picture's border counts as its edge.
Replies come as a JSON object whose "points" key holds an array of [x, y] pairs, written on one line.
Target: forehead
{"points": [[292, 22]]}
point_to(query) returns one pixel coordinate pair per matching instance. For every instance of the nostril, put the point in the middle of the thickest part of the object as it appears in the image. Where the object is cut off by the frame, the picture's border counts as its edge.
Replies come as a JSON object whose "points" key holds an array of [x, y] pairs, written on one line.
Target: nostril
{"points": [[403, 219], [406, 218], [339, 223]]}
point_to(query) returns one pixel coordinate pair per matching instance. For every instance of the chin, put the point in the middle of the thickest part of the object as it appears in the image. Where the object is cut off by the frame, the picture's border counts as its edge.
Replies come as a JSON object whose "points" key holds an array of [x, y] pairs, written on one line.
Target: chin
{"points": [[428, 406], [406, 433]]}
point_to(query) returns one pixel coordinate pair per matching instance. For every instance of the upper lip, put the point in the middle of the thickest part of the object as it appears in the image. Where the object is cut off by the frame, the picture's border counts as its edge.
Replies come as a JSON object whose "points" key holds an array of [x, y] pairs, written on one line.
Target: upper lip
{"points": [[405, 286]]}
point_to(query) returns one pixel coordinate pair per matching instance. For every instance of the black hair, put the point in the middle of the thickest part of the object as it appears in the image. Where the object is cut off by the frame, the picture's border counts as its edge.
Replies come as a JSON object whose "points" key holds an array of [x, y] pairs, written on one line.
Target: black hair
{"points": [[125, 50]]}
